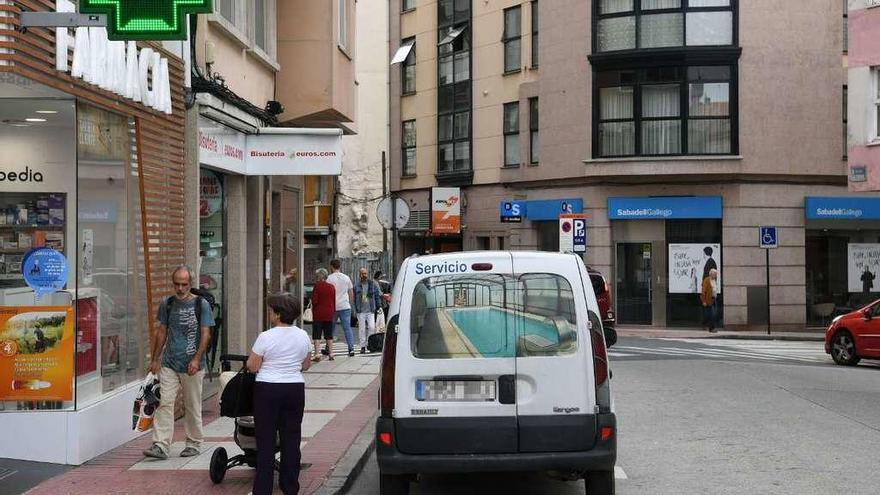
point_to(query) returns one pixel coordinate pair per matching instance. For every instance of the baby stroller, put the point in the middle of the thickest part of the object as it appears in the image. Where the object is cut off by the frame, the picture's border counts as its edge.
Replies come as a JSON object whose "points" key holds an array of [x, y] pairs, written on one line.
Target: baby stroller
{"points": [[237, 401]]}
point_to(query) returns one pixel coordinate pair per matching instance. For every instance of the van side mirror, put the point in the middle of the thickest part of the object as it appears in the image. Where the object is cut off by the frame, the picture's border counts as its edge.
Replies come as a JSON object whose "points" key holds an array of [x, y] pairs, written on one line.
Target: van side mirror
{"points": [[610, 336]]}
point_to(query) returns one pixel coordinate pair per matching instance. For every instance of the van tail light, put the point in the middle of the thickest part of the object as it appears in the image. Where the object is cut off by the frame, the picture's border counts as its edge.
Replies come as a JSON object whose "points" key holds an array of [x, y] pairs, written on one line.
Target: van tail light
{"points": [[386, 386], [385, 438], [600, 365]]}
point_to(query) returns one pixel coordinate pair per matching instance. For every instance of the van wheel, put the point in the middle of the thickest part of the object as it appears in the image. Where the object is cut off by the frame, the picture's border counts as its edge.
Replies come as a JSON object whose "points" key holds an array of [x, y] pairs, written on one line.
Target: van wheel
{"points": [[391, 484], [600, 483]]}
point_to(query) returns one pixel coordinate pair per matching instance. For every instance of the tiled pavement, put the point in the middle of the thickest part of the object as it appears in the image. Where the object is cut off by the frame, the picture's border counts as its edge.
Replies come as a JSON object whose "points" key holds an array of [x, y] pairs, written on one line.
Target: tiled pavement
{"points": [[340, 400]]}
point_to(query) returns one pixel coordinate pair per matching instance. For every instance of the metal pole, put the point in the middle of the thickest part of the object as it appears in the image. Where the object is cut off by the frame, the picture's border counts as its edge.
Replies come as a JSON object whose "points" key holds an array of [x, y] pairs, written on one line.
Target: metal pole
{"points": [[767, 253], [393, 233], [384, 194]]}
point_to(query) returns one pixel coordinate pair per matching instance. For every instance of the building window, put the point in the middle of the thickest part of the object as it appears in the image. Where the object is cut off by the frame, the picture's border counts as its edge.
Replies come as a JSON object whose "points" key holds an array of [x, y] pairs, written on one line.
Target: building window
{"points": [[483, 243], [845, 26], [342, 37], [406, 5], [634, 24], [454, 87], [511, 134], [845, 122], [225, 9], [409, 69], [408, 155], [534, 34], [512, 39], [260, 24], [875, 104], [666, 111], [534, 143]]}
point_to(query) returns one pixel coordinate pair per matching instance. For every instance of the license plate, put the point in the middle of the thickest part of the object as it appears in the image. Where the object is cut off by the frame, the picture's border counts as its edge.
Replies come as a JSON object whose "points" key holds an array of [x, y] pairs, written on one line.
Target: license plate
{"points": [[456, 390]]}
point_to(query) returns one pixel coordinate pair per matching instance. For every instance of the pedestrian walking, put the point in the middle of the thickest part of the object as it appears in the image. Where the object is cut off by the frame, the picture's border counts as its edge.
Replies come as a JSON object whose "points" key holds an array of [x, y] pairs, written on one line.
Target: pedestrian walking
{"points": [[279, 356], [709, 299], [344, 296], [385, 288], [289, 282], [367, 300], [178, 359], [323, 313]]}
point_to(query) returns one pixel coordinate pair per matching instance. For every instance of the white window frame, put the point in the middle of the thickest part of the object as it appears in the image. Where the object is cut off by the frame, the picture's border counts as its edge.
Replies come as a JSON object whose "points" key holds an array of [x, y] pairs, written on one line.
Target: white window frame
{"points": [[342, 24], [269, 54], [874, 105]]}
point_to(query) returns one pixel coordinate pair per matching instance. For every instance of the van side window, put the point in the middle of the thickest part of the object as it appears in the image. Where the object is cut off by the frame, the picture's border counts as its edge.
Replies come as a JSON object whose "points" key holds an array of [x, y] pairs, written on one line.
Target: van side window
{"points": [[492, 316]]}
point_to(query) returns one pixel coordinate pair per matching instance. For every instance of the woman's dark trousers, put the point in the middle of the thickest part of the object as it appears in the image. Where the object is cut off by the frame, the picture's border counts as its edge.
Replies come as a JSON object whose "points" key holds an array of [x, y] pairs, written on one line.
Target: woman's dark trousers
{"points": [[278, 410]]}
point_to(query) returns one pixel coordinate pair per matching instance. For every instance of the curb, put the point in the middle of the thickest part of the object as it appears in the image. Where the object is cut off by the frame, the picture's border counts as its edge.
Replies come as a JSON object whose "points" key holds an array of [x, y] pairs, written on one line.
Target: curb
{"points": [[779, 336], [348, 468]]}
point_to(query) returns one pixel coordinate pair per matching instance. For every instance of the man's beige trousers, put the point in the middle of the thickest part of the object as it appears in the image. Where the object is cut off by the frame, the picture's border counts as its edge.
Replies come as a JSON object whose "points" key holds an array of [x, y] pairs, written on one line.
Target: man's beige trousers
{"points": [[170, 382]]}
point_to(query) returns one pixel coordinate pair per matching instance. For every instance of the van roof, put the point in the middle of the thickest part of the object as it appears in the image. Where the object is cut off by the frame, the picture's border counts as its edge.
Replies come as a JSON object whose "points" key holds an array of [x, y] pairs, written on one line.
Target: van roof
{"points": [[490, 255]]}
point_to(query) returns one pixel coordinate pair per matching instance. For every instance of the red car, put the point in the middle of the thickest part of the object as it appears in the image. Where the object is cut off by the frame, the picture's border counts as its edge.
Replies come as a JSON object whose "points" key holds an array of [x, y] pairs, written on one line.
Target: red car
{"points": [[603, 297], [855, 335]]}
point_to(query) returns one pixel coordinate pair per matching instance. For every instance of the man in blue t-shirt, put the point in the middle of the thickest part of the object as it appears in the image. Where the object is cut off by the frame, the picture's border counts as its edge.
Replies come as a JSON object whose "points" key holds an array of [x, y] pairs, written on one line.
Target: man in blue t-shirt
{"points": [[178, 359]]}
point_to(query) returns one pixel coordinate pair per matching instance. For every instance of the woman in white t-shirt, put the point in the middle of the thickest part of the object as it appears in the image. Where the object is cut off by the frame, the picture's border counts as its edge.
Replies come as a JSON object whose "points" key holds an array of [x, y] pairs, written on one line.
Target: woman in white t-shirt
{"points": [[279, 357]]}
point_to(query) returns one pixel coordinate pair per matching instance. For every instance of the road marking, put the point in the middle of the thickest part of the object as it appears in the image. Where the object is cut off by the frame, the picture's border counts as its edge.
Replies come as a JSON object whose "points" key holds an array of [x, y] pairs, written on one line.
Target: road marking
{"points": [[619, 474], [6, 472], [620, 354]]}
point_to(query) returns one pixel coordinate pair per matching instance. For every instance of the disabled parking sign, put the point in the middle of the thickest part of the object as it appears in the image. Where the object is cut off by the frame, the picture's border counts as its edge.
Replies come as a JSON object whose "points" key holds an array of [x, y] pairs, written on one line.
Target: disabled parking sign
{"points": [[769, 238]]}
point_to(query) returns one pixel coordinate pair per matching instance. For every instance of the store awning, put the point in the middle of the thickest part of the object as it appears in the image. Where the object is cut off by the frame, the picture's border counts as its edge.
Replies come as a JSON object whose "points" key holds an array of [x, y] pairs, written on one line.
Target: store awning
{"points": [[271, 151], [403, 52], [664, 207], [842, 208], [452, 35]]}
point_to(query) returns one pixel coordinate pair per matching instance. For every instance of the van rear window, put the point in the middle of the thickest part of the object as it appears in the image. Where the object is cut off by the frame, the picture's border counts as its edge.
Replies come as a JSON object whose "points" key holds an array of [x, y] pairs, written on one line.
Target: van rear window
{"points": [[492, 316]]}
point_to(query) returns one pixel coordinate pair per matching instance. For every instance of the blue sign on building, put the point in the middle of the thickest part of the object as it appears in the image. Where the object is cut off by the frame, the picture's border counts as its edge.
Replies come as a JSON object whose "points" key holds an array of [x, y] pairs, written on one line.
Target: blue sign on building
{"points": [[550, 209], [45, 271], [851, 208], [513, 211], [666, 207]]}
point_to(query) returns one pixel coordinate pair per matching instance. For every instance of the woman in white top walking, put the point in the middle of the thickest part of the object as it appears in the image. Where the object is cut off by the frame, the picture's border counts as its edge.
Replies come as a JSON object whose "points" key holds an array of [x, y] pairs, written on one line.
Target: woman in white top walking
{"points": [[279, 357]]}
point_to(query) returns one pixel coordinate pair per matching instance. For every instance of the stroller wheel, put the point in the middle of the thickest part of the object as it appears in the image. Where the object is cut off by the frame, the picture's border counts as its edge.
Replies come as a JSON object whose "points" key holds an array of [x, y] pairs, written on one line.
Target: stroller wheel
{"points": [[217, 470]]}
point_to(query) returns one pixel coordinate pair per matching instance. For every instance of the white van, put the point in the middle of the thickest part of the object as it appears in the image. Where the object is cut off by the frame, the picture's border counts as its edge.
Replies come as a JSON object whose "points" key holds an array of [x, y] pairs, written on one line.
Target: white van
{"points": [[495, 361]]}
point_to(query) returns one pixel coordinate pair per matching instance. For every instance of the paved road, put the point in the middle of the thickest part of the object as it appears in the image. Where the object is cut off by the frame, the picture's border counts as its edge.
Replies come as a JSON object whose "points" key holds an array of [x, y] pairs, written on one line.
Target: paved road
{"points": [[718, 416]]}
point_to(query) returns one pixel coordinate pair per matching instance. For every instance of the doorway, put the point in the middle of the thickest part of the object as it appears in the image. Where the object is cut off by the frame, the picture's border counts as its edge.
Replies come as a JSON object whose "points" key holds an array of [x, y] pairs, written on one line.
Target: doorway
{"points": [[634, 274]]}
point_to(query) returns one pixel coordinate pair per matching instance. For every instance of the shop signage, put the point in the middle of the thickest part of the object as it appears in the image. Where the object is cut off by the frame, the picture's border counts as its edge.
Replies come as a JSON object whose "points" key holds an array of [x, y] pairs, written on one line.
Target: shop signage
{"points": [[24, 175], [45, 271], [116, 66], [445, 210], [36, 353], [858, 173], [689, 264], [512, 211], [661, 208], [278, 152], [550, 209], [146, 19], [863, 266], [97, 211], [842, 208]]}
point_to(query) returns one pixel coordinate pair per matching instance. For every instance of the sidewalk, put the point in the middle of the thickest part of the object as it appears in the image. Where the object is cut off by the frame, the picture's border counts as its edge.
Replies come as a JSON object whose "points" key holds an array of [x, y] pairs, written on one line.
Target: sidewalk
{"points": [[817, 335], [340, 401]]}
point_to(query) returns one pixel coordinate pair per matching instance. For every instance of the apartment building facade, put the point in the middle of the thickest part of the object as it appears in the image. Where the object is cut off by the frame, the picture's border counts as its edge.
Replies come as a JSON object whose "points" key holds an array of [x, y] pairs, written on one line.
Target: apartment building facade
{"points": [[679, 127]]}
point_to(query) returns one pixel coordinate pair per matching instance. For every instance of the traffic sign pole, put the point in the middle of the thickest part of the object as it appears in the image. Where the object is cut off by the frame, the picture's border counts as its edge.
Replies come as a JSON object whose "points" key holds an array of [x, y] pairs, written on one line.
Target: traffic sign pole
{"points": [[767, 252], [768, 238]]}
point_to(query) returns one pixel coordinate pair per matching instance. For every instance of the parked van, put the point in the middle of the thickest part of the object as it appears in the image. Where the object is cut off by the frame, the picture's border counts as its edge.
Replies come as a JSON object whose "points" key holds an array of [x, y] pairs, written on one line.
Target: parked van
{"points": [[495, 361]]}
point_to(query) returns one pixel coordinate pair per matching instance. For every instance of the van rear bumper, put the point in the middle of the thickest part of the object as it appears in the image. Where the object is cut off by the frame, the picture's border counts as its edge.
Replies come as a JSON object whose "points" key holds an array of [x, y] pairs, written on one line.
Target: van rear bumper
{"points": [[600, 458]]}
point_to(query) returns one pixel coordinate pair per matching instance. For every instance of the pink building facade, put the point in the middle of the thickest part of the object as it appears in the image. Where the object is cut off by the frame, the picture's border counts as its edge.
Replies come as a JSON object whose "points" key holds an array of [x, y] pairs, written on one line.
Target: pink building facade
{"points": [[863, 95]]}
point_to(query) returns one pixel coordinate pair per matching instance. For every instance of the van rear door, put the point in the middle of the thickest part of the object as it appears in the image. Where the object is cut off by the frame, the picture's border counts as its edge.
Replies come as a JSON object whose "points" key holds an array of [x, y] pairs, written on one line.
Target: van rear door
{"points": [[456, 366], [554, 384]]}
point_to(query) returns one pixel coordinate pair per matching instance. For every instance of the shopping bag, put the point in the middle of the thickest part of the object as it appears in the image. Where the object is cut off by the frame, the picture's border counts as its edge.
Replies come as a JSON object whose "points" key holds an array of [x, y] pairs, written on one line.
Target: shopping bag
{"points": [[307, 314], [380, 320], [145, 403]]}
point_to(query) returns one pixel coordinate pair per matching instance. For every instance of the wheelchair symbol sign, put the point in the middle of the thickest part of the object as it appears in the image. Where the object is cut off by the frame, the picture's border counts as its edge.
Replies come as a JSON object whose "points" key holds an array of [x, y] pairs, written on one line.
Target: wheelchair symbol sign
{"points": [[769, 238]]}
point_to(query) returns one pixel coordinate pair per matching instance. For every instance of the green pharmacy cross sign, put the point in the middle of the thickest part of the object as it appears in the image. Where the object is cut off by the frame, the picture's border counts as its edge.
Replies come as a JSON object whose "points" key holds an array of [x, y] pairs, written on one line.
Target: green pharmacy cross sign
{"points": [[145, 19]]}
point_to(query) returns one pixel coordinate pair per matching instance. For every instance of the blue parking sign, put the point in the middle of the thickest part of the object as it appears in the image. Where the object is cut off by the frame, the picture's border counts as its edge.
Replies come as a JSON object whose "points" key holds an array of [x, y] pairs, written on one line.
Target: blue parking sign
{"points": [[579, 235], [769, 238]]}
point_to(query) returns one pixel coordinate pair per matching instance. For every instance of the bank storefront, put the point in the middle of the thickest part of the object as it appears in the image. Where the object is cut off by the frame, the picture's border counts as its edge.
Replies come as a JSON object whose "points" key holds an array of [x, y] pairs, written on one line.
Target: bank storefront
{"points": [[90, 171], [663, 247], [842, 255]]}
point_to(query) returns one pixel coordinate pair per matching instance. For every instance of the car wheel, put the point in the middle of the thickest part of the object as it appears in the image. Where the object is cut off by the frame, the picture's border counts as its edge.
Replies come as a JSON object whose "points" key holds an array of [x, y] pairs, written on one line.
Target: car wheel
{"points": [[600, 483], [393, 484], [843, 349], [217, 469]]}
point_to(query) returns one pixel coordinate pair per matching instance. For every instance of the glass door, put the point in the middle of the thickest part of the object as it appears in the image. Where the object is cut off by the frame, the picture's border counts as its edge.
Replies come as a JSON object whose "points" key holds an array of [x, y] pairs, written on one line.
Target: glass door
{"points": [[634, 296]]}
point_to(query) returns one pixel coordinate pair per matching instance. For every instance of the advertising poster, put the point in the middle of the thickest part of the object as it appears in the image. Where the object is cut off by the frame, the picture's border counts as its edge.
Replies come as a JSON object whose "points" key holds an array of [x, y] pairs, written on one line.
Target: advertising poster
{"points": [[445, 210], [36, 353], [211, 195], [689, 264], [88, 254], [863, 261]]}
